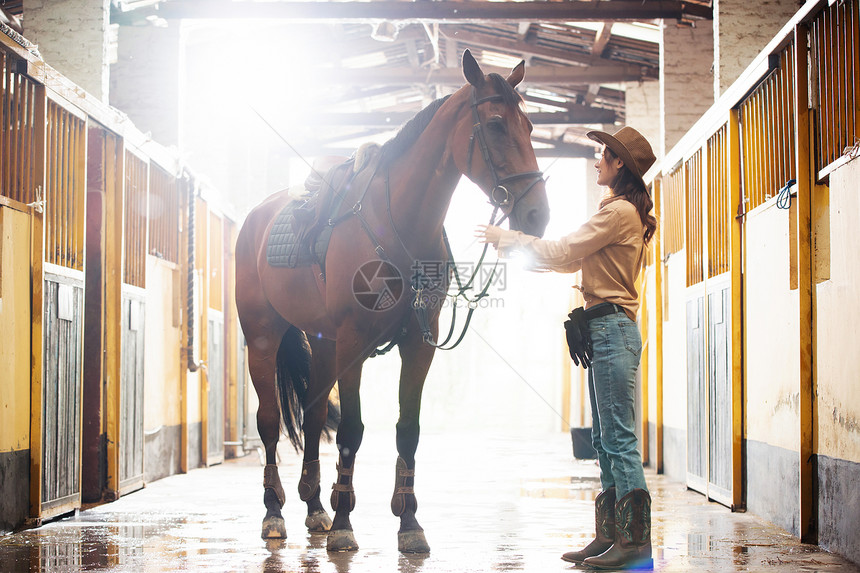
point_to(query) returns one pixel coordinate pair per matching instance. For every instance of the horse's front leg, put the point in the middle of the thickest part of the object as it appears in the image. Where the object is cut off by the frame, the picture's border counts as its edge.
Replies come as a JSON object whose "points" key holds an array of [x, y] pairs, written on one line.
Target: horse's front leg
{"points": [[350, 358], [416, 358], [315, 414]]}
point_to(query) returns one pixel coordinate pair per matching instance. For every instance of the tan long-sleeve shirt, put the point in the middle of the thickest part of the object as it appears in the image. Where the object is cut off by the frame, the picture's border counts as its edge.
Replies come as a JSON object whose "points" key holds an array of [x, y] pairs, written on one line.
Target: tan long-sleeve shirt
{"points": [[609, 249]]}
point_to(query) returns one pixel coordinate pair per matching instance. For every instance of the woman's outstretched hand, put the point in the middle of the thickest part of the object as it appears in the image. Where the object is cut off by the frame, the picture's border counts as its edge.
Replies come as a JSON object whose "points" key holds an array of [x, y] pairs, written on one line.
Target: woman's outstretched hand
{"points": [[489, 234]]}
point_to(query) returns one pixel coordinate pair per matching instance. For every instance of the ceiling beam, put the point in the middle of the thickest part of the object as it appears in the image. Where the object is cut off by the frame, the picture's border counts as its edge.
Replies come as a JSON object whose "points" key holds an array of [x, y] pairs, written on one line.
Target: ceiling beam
{"points": [[393, 120], [601, 39], [559, 55], [564, 149], [443, 10], [552, 75]]}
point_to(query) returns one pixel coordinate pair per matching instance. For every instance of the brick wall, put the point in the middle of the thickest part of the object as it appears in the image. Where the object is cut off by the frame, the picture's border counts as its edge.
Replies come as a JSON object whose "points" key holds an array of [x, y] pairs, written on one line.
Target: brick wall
{"points": [[686, 61], [72, 36]]}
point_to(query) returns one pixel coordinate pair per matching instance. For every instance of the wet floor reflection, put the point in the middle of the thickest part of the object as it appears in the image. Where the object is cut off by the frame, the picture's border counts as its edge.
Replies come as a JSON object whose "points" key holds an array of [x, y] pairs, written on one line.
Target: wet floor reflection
{"points": [[511, 505]]}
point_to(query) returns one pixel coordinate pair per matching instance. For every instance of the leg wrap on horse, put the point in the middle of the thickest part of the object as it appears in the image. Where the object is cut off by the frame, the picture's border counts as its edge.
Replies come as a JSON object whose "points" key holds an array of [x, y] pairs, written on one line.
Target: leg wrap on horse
{"points": [[403, 492], [272, 481], [309, 483], [338, 487]]}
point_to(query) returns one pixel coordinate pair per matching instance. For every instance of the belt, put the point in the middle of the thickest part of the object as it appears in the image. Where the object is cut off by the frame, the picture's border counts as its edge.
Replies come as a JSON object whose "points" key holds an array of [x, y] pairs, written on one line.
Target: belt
{"points": [[602, 310]]}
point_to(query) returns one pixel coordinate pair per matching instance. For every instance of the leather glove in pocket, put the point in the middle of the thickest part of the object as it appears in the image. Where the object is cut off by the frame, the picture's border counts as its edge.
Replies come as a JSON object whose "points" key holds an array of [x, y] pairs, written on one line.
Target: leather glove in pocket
{"points": [[578, 337]]}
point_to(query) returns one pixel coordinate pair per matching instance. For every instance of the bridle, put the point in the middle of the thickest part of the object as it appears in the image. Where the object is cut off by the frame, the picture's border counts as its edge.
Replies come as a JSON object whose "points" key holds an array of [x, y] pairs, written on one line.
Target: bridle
{"points": [[499, 195]]}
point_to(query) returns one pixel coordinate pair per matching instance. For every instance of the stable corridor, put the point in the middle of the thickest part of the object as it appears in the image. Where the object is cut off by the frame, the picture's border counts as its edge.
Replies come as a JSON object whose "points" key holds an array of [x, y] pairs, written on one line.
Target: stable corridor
{"points": [[487, 503]]}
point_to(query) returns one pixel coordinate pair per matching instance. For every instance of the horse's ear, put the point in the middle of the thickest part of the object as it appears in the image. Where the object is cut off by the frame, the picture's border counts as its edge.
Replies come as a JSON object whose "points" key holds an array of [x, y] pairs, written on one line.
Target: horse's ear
{"points": [[517, 74], [472, 70]]}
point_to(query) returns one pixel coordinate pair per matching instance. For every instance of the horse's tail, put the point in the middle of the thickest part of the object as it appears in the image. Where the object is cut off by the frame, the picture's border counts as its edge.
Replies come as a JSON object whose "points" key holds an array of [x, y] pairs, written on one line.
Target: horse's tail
{"points": [[293, 377]]}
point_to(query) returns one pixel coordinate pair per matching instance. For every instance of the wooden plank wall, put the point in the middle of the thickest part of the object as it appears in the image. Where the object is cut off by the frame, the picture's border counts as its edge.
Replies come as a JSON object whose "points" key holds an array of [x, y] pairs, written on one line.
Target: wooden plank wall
{"points": [[61, 398]]}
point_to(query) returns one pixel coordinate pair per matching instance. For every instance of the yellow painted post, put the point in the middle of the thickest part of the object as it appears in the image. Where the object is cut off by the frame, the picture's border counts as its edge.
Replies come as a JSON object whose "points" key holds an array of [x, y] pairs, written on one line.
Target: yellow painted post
{"points": [[185, 351], [805, 182], [704, 223], [736, 312], [565, 386], [230, 324], [658, 326], [644, 317], [202, 259], [37, 253], [113, 254]]}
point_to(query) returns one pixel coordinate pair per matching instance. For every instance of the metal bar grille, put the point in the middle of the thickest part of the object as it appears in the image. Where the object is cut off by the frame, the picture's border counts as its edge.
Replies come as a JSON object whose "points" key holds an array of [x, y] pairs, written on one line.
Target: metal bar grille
{"points": [[17, 141], [163, 215], [216, 263], [673, 212], [835, 47], [767, 129], [718, 203], [134, 220], [693, 186], [65, 188]]}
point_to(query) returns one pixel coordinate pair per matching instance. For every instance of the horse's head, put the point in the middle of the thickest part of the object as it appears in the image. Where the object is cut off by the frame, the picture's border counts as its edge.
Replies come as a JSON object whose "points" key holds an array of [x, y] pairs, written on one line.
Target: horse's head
{"points": [[499, 157]]}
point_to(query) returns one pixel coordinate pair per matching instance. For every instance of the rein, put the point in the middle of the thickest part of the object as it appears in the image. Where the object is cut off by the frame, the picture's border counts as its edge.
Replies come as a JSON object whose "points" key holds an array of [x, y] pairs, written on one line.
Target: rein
{"points": [[500, 197]]}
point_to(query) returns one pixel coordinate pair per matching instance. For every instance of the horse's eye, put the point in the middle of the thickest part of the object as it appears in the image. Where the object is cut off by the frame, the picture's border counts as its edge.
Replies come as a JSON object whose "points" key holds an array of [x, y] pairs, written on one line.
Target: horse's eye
{"points": [[497, 124]]}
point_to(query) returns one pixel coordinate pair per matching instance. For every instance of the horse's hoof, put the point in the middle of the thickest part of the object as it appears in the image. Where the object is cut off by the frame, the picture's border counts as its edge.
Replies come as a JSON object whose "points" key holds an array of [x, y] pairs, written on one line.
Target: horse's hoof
{"points": [[412, 542], [318, 522], [341, 540], [274, 528]]}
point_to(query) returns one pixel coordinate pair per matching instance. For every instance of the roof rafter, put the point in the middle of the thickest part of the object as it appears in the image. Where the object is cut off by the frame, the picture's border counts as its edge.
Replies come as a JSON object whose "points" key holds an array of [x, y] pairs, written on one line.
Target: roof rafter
{"points": [[557, 75], [447, 10], [545, 52], [394, 119]]}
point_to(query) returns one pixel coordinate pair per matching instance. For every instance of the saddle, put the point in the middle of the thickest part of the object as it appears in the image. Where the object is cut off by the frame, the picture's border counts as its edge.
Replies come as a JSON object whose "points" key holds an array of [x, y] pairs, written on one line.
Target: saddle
{"points": [[302, 230]]}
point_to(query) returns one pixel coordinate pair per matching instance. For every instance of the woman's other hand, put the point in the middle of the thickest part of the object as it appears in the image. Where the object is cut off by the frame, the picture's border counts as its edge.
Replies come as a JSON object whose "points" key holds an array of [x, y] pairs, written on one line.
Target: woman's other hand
{"points": [[489, 234]]}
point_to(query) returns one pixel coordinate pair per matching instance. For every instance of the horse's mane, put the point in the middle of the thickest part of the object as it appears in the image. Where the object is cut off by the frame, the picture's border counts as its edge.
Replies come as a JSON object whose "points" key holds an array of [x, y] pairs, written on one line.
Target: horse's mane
{"points": [[409, 133]]}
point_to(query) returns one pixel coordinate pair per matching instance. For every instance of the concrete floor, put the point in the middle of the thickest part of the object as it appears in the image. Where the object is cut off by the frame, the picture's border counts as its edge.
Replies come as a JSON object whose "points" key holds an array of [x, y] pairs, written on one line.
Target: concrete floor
{"points": [[486, 504]]}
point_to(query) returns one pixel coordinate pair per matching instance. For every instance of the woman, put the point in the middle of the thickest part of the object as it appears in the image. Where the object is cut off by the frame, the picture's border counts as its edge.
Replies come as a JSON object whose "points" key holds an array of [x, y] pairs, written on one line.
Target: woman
{"points": [[610, 250]]}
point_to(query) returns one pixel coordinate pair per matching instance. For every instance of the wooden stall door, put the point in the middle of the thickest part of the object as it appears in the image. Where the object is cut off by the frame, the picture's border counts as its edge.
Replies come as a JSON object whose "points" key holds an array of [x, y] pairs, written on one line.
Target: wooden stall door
{"points": [[697, 395], [61, 393], [131, 393], [62, 312], [719, 391], [134, 232], [215, 377]]}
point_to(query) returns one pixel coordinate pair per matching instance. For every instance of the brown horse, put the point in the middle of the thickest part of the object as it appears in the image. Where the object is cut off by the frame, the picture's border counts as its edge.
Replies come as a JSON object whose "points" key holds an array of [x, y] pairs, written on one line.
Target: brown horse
{"points": [[315, 328]]}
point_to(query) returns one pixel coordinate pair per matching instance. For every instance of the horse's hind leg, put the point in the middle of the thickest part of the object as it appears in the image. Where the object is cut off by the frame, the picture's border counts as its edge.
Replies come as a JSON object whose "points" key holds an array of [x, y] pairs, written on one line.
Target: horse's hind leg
{"points": [[262, 355], [315, 415], [416, 358]]}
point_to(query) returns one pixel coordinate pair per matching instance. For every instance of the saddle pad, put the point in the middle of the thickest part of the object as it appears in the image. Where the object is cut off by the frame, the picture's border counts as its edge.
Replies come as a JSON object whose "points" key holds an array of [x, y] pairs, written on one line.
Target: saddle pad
{"points": [[283, 248]]}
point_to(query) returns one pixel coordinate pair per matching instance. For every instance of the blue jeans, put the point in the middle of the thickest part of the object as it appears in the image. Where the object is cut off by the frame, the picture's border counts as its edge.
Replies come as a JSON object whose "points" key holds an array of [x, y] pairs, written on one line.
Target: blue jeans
{"points": [[611, 386]]}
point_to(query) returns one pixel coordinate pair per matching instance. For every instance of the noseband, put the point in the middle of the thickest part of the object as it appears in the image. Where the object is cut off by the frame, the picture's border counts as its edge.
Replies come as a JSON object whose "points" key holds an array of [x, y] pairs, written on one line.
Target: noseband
{"points": [[500, 196]]}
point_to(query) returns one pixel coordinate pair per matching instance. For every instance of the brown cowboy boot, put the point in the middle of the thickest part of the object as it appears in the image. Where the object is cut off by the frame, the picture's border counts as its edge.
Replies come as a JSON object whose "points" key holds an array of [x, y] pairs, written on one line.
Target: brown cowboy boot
{"points": [[604, 525], [632, 547]]}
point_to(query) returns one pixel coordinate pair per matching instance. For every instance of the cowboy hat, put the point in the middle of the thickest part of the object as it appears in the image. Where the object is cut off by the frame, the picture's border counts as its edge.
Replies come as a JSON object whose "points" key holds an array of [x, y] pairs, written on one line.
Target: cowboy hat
{"points": [[629, 146]]}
